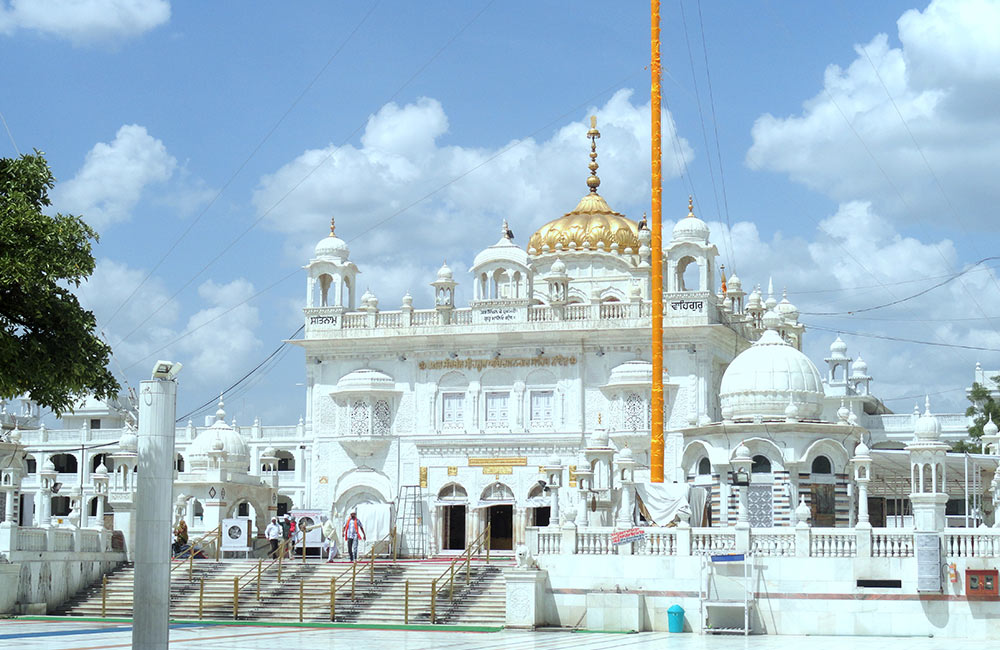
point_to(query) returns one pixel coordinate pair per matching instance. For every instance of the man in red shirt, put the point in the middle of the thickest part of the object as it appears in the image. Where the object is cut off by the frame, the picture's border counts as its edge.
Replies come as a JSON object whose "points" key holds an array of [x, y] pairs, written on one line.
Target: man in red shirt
{"points": [[353, 530]]}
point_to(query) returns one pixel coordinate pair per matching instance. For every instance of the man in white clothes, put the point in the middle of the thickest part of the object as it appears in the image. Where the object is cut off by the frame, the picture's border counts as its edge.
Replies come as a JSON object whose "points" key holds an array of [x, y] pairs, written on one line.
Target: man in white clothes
{"points": [[273, 535], [329, 536], [353, 530]]}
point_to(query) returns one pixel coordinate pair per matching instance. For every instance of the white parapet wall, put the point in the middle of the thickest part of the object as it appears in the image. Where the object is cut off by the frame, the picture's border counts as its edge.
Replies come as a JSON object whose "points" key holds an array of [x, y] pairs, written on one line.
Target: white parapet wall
{"points": [[801, 581], [46, 566]]}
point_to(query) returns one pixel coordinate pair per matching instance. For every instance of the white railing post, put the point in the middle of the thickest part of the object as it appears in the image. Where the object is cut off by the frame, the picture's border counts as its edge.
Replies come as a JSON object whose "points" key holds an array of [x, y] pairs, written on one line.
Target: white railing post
{"points": [[568, 546]]}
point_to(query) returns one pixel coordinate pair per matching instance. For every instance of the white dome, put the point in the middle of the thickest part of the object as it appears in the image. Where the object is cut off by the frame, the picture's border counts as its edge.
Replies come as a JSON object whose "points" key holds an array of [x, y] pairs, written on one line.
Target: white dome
{"points": [[786, 309], [129, 442], [558, 268], [734, 283], [691, 228], [503, 251], [762, 380], [859, 367], [631, 373], [838, 349], [753, 301], [444, 273], [365, 380], [332, 247], [220, 437], [927, 427], [625, 455], [990, 428]]}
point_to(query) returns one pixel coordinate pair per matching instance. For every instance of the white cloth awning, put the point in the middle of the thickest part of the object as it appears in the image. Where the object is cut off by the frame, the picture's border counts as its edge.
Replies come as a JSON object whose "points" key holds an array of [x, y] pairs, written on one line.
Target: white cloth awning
{"points": [[443, 503], [499, 502]]}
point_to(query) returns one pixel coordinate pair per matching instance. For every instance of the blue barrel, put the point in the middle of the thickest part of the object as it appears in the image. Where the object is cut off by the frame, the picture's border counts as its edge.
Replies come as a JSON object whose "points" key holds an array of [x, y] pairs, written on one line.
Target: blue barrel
{"points": [[675, 619]]}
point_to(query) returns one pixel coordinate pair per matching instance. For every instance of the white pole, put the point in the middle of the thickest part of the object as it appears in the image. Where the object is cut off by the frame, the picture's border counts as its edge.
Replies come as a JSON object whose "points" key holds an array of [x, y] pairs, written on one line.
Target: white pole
{"points": [[154, 493]]}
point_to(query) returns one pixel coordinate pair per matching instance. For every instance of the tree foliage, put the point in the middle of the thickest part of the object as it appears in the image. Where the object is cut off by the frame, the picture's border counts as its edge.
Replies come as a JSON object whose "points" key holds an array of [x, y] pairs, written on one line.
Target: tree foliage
{"points": [[983, 408], [48, 345]]}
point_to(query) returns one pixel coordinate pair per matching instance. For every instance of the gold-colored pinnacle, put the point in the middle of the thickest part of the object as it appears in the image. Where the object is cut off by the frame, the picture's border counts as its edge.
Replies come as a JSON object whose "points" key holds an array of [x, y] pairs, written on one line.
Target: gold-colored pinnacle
{"points": [[332, 227], [690, 205], [593, 182]]}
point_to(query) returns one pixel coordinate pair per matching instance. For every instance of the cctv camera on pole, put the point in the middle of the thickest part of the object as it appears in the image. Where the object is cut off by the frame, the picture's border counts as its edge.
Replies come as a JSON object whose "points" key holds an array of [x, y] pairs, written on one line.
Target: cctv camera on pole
{"points": [[154, 492]]}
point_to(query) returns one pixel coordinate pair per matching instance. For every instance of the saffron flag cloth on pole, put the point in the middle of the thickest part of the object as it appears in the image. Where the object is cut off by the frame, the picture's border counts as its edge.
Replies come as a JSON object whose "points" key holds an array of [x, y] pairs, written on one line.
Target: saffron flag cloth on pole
{"points": [[628, 535]]}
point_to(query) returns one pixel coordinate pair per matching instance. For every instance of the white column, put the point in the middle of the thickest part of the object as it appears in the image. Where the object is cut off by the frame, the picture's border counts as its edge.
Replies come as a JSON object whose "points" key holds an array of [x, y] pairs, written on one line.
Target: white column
{"points": [[863, 502], [553, 505], [8, 513], [154, 508]]}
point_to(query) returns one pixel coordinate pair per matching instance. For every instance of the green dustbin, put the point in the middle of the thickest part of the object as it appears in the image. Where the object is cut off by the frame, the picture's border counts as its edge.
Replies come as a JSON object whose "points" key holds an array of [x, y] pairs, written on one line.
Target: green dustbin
{"points": [[675, 619]]}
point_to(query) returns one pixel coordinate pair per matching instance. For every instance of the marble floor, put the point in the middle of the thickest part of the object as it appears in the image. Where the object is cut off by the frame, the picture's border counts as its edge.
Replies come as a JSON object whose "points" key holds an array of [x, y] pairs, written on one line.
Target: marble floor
{"points": [[72, 635]]}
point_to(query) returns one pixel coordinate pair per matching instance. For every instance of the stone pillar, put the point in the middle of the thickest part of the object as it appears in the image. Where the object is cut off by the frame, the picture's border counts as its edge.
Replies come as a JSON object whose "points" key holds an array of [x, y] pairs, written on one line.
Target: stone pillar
{"points": [[8, 501], [554, 505], [802, 513], [157, 412]]}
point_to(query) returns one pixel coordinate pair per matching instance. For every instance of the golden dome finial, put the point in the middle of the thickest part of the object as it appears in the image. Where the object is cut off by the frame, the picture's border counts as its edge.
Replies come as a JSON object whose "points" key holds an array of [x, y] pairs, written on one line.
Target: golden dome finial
{"points": [[593, 182], [690, 205], [332, 227]]}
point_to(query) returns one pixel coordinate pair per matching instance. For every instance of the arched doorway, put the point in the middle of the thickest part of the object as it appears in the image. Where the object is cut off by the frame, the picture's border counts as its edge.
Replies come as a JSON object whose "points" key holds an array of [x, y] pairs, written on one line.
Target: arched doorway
{"points": [[498, 499], [539, 510], [453, 499]]}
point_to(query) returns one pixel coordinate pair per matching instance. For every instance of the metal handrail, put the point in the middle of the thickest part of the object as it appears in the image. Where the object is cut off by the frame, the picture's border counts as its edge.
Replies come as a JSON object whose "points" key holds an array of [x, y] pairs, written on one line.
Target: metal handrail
{"points": [[215, 532], [482, 541], [280, 550]]}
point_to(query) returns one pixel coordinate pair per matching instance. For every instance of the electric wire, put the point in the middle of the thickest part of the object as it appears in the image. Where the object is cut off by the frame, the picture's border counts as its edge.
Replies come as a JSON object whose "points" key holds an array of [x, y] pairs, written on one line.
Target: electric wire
{"points": [[900, 339], [241, 379], [308, 174], [9, 134], [718, 147], [955, 276], [239, 169]]}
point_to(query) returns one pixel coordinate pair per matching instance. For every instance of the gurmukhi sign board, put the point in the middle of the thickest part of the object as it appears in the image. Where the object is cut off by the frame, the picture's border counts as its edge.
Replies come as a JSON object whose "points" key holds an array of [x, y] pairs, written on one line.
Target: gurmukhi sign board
{"points": [[498, 362]]}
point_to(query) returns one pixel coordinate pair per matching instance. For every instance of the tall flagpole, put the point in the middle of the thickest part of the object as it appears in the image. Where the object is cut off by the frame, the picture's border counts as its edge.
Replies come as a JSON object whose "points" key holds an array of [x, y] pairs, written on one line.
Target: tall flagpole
{"points": [[656, 405]]}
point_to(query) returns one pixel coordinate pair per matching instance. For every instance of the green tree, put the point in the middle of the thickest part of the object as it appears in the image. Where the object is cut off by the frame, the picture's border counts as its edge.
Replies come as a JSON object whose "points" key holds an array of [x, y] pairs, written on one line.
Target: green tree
{"points": [[48, 346], [983, 408]]}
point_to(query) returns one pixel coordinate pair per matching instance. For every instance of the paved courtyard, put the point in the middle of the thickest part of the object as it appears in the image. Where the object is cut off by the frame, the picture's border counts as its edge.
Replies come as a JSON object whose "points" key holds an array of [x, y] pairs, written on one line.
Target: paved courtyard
{"points": [[74, 635]]}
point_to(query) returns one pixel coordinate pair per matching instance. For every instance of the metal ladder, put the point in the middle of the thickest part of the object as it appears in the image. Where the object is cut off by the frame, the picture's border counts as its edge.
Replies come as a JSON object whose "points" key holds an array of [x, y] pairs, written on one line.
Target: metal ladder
{"points": [[411, 521]]}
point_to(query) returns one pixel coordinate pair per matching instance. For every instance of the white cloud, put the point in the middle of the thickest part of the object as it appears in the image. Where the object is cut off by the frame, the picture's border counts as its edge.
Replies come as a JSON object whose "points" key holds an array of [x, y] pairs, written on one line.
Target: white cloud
{"points": [[114, 177], [222, 342], [943, 80], [84, 21], [399, 162]]}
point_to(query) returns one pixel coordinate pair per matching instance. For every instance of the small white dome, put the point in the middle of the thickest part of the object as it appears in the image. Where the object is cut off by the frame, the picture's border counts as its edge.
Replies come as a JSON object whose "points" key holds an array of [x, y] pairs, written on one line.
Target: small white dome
{"points": [[625, 454], [838, 349], [48, 466], [862, 451], [786, 309], [791, 411], [504, 251], [365, 380], [990, 428], [762, 380], [734, 283], [101, 469], [753, 302], [691, 228], [742, 452], [332, 247], [218, 445], [859, 367], [558, 268], [129, 442], [927, 427], [444, 273]]}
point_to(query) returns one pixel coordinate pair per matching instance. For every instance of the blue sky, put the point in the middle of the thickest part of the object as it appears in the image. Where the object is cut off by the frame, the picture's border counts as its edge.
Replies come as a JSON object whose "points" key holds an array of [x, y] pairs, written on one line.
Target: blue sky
{"points": [[858, 142]]}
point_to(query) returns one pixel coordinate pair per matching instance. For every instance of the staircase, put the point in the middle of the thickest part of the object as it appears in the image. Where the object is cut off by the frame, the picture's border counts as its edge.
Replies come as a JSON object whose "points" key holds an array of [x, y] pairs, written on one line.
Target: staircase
{"points": [[379, 597]]}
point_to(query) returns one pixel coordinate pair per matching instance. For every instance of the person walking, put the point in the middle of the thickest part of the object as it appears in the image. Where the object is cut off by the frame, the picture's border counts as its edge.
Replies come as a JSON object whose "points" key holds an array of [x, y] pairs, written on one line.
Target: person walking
{"points": [[286, 530], [353, 530], [273, 535], [329, 537]]}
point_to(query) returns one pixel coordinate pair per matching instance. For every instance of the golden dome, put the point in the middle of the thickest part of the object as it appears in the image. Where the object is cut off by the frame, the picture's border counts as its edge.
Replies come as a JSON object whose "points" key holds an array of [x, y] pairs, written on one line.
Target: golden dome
{"points": [[592, 224]]}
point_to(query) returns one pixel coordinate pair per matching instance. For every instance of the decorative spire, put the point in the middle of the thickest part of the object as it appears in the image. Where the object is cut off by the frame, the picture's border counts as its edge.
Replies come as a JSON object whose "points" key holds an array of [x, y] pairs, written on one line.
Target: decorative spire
{"points": [[332, 227], [593, 182], [927, 404], [220, 415], [690, 206]]}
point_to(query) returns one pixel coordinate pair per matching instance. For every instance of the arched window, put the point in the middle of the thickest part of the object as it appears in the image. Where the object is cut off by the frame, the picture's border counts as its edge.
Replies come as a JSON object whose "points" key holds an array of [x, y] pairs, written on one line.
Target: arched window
{"points": [[498, 492], [65, 463], [761, 465], [325, 281], [453, 492], [286, 461], [243, 509], [704, 466], [30, 465], [822, 465], [179, 463], [688, 274]]}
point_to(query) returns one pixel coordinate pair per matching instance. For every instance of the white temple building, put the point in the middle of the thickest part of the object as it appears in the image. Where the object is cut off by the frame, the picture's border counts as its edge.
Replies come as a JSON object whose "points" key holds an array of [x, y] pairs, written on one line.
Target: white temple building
{"points": [[529, 410]]}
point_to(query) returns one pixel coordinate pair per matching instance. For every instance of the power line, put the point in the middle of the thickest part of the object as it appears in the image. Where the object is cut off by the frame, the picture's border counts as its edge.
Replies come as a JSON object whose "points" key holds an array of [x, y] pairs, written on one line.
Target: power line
{"points": [[241, 379], [9, 134], [900, 300], [232, 177], [903, 340]]}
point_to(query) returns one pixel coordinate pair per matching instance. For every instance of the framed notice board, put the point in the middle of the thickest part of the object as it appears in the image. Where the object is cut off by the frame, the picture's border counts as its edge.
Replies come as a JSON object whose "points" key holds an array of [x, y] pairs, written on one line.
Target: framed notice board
{"points": [[928, 552]]}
